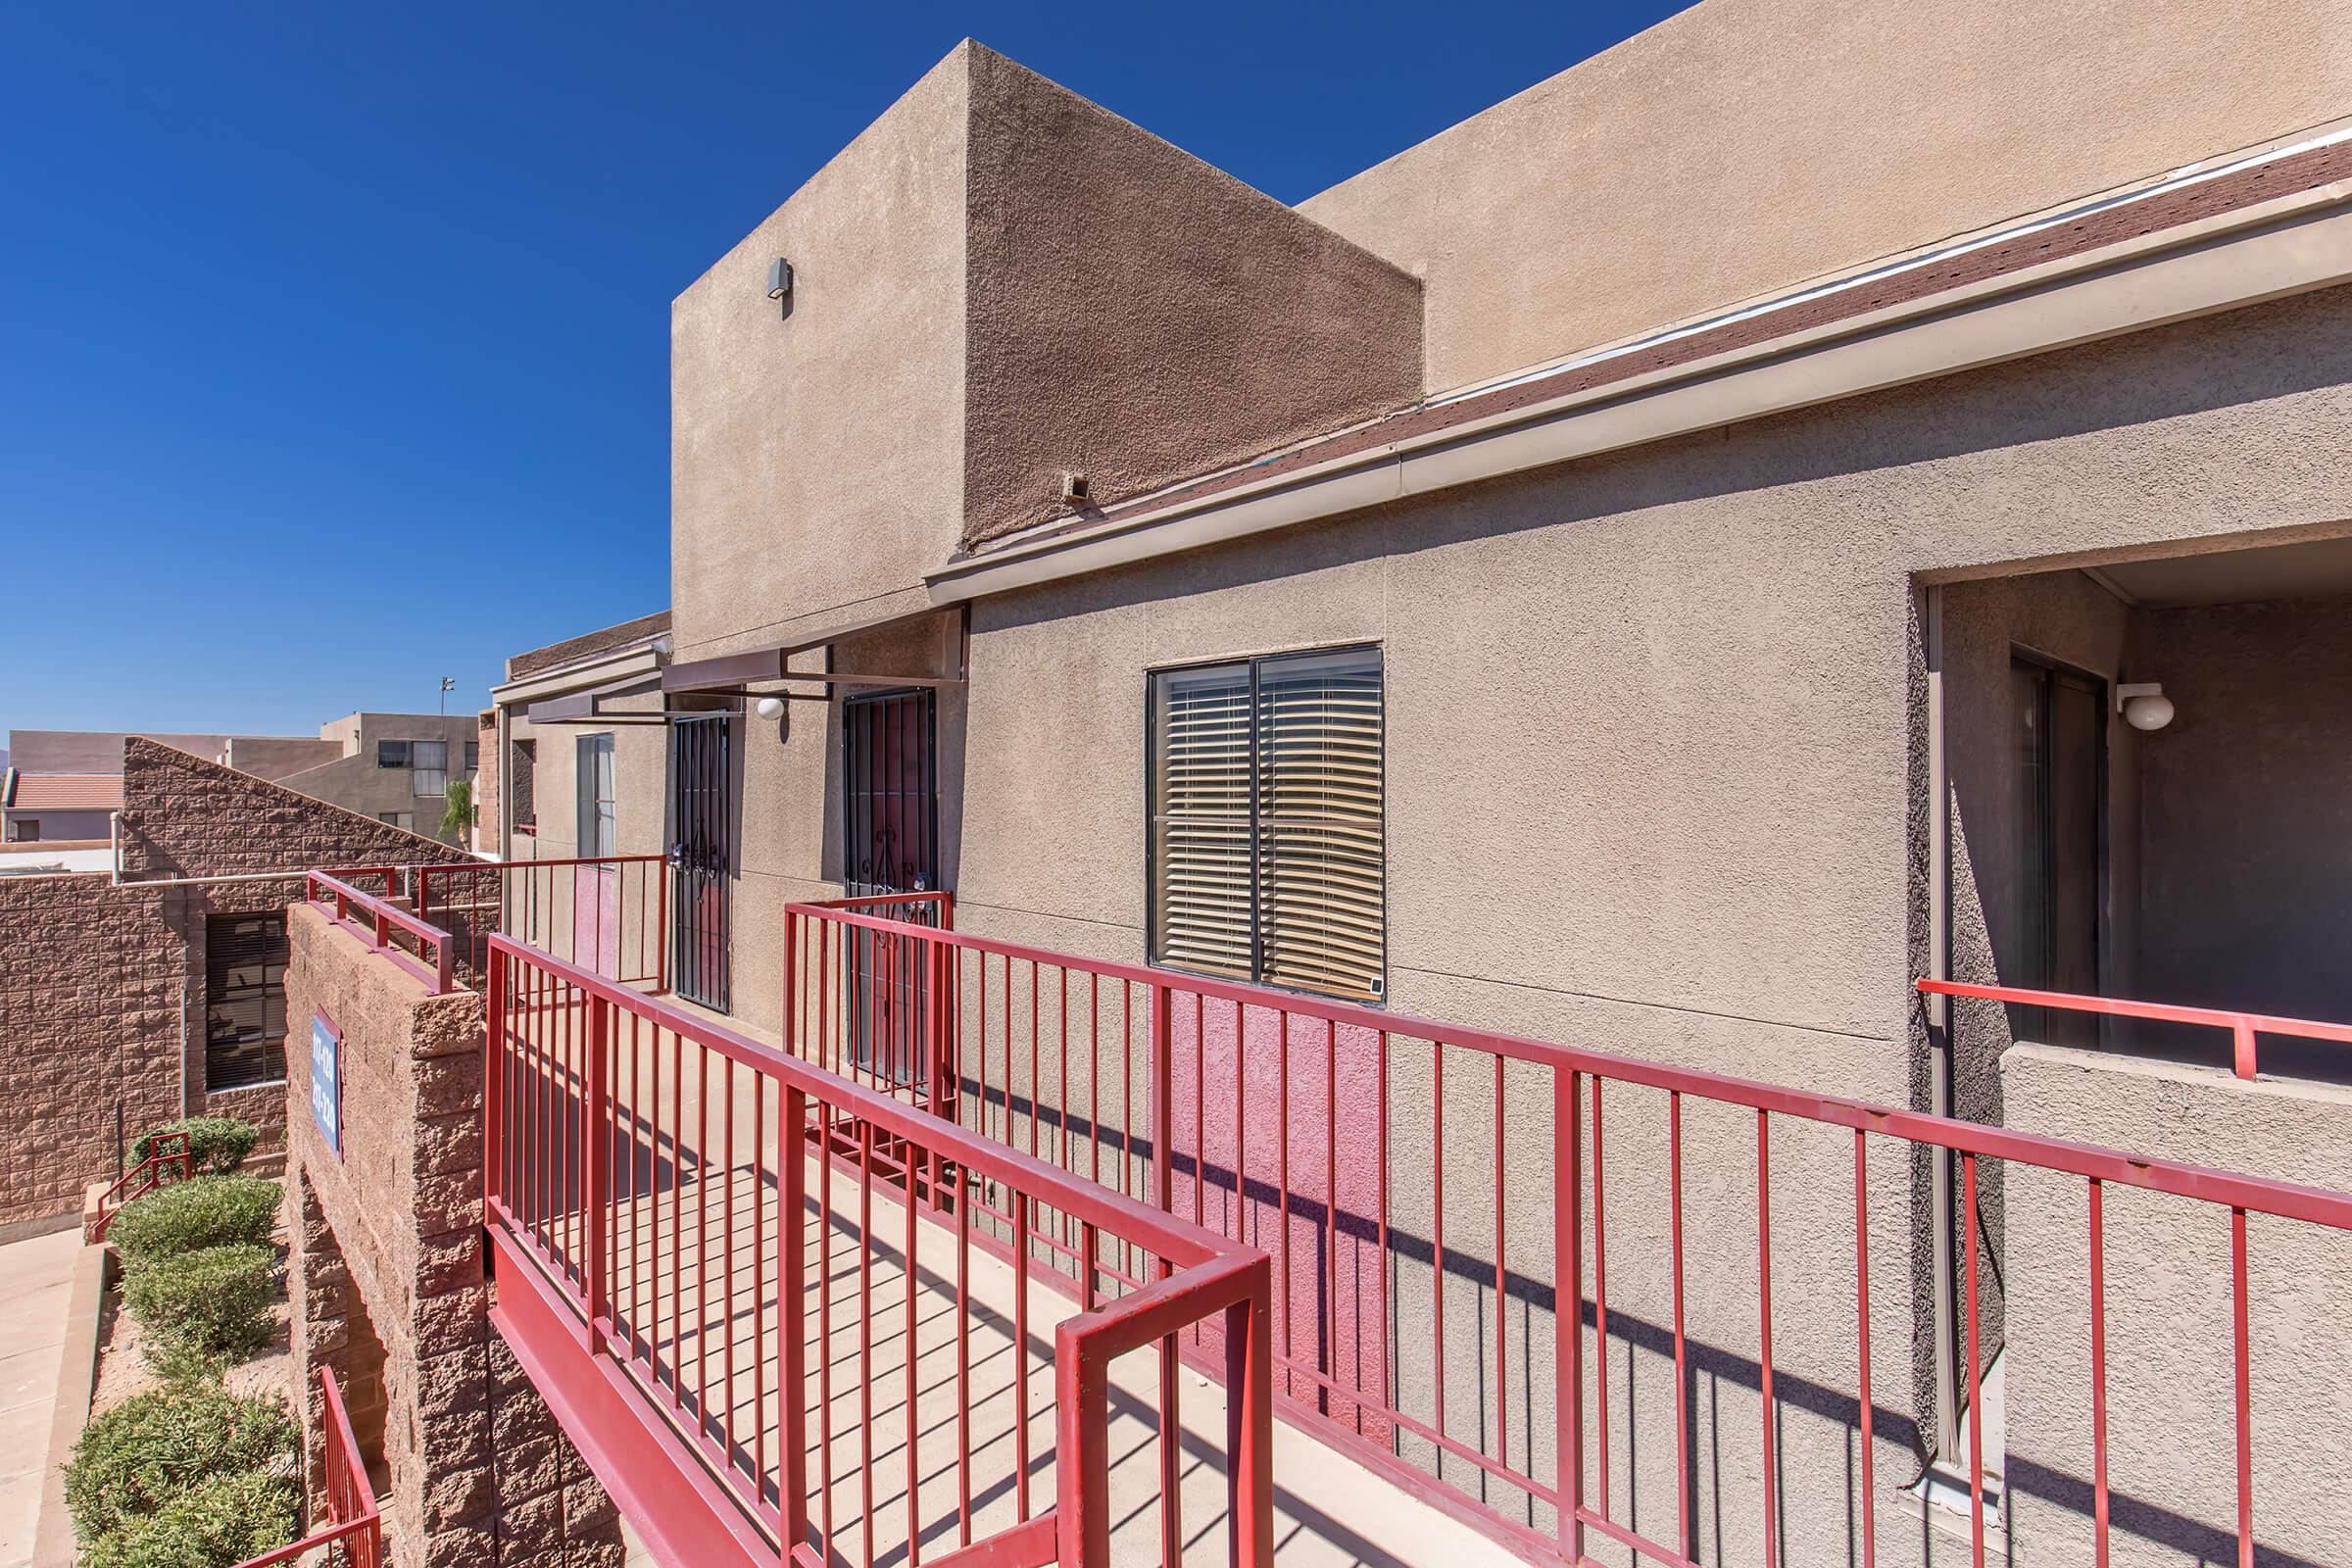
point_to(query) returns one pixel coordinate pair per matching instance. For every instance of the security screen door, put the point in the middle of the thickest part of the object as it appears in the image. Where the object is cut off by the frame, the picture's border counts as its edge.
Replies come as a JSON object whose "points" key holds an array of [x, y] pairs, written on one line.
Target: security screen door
{"points": [[890, 843], [700, 807]]}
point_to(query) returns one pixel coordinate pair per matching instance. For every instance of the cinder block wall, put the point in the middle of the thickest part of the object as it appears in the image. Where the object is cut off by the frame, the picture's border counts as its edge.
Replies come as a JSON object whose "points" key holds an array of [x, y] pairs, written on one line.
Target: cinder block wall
{"points": [[479, 1474], [102, 988]]}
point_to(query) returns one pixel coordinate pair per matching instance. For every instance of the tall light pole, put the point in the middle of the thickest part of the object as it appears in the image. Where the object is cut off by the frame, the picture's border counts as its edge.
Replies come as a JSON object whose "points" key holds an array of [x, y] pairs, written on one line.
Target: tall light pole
{"points": [[449, 684]]}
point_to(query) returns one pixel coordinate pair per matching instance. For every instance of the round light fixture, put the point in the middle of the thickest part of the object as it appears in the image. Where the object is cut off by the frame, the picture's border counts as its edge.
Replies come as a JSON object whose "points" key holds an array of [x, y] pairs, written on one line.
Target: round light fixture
{"points": [[773, 708], [2152, 712]]}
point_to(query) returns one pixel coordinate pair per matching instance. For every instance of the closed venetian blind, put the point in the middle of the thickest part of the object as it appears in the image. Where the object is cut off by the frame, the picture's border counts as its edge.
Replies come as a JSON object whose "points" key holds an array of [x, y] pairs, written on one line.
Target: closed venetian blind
{"points": [[1267, 850], [1202, 904], [1320, 872]]}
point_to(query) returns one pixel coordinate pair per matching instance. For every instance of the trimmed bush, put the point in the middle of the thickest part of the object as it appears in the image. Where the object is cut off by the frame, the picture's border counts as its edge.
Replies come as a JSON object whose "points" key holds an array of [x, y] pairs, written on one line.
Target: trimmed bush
{"points": [[219, 1521], [217, 1145], [213, 1301], [189, 1216], [157, 1447]]}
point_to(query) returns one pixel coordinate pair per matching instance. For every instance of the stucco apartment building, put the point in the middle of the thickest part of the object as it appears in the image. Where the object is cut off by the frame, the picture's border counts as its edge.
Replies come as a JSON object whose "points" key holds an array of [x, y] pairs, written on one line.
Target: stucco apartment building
{"points": [[1815, 497], [60, 784]]}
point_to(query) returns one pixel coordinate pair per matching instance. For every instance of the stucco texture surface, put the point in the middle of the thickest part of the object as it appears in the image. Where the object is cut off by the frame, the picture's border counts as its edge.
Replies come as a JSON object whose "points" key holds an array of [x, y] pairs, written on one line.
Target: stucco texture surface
{"points": [[1761, 143], [1651, 750], [1137, 315], [996, 283], [816, 456], [2169, 1342]]}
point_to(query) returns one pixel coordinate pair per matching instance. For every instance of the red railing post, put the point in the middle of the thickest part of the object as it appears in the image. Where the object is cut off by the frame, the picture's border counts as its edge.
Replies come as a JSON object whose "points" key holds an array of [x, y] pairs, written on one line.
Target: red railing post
{"points": [[1082, 1454], [1250, 1419], [595, 1142], [1568, 1304], [661, 928], [2241, 1040], [494, 1110], [792, 1262], [1164, 1101]]}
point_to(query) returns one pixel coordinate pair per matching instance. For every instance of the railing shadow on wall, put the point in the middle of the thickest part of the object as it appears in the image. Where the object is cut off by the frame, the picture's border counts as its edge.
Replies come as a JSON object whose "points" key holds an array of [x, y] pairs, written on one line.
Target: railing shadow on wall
{"points": [[1393, 1167]]}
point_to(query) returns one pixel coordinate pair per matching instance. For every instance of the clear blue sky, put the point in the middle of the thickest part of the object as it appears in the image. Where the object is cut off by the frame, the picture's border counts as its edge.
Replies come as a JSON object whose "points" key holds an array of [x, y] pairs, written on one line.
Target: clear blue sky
{"points": [[315, 319]]}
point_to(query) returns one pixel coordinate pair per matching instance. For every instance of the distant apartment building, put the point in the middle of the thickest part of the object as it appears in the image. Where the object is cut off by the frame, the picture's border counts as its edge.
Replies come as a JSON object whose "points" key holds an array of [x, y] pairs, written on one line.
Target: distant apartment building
{"points": [[62, 785]]}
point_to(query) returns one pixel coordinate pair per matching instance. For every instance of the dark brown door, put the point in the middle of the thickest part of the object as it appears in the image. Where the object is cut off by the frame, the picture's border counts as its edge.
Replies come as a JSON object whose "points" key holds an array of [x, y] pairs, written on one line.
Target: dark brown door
{"points": [[2062, 739], [890, 843]]}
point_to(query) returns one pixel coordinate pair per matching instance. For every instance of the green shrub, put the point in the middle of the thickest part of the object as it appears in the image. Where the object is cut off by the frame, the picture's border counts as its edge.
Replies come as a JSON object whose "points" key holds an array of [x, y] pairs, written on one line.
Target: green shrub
{"points": [[221, 1520], [156, 1446], [185, 1216], [213, 1301], [217, 1145]]}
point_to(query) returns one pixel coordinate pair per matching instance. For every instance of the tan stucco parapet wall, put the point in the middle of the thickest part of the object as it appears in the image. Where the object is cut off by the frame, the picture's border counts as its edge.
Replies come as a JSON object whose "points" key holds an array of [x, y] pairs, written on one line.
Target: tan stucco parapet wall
{"points": [[2051, 273], [1741, 148]]}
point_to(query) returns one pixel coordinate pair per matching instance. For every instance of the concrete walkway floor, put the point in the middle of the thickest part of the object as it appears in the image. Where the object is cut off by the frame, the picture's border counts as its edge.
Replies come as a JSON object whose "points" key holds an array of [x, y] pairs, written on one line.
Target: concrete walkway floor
{"points": [[690, 1292], [37, 1279]]}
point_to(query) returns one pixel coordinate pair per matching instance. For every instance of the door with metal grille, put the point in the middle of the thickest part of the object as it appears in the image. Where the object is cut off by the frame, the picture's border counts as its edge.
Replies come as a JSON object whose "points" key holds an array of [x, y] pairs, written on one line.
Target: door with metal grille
{"points": [[890, 843], [700, 808]]}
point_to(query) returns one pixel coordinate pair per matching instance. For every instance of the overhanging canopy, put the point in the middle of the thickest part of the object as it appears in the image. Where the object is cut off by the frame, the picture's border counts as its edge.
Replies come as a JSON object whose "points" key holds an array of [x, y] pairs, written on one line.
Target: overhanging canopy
{"points": [[773, 664]]}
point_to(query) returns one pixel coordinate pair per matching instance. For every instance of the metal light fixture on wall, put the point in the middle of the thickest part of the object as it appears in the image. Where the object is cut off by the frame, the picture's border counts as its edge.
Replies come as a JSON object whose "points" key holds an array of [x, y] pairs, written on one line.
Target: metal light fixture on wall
{"points": [[769, 708], [2143, 705]]}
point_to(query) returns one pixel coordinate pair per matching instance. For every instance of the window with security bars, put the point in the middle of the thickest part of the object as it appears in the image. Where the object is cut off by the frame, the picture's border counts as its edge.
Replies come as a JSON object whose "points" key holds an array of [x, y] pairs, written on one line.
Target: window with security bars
{"points": [[1268, 854], [244, 1001]]}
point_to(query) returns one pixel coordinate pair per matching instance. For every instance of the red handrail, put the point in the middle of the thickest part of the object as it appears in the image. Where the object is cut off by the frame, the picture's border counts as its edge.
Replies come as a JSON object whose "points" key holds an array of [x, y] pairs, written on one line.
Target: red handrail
{"points": [[166, 1162], [336, 898], [2243, 1027], [352, 1515], [599, 1098], [1279, 1125]]}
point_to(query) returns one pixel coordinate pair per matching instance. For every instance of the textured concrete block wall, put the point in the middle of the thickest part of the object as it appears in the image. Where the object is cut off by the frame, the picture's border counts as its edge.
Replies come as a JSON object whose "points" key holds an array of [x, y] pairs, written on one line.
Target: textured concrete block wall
{"points": [[102, 987], [91, 990], [479, 1474]]}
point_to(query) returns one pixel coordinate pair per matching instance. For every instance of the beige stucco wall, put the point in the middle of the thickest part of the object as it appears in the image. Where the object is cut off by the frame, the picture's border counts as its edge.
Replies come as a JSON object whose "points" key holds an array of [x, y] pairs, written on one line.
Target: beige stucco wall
{"points": [[354, 782], [1760, 143], [1140, 317], [2256, 759], [2169, 1329], [816, 459], [1651, 749], [996, 284]]}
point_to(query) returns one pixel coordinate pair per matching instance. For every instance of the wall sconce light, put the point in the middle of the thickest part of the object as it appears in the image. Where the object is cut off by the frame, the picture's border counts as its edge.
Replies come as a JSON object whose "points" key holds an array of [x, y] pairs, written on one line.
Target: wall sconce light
{"points": [[2144, 704], [769, 708]]}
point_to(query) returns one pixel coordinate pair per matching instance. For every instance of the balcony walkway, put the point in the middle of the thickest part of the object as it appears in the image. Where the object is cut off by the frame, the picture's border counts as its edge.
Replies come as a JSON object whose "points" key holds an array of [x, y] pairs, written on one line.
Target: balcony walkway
{"points": [[1327, 1510]]}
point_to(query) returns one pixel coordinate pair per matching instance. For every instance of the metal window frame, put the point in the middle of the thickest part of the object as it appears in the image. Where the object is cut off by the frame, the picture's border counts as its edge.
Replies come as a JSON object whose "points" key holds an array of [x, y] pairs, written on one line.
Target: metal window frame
{"points": [[213, 967], [1151, 750]]}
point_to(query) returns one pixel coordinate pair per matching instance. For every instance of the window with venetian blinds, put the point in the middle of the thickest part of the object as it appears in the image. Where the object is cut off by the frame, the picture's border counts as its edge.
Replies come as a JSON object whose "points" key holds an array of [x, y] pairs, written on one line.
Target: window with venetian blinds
{"points": [[1266, 832]]}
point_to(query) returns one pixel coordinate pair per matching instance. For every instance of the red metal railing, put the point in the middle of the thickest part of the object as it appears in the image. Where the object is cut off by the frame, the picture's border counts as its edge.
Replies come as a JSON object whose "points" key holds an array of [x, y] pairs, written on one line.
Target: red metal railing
{"points": [[166, 1162], [351, 1515], [608, 913], [2243, 1027], [416, 944], [1339, 1137], [670, 1184]]}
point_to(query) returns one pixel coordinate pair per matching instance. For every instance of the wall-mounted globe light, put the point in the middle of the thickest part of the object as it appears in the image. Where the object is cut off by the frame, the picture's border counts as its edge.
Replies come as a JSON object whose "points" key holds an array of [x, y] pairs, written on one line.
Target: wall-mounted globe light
{"points": [[2144, 704]]}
